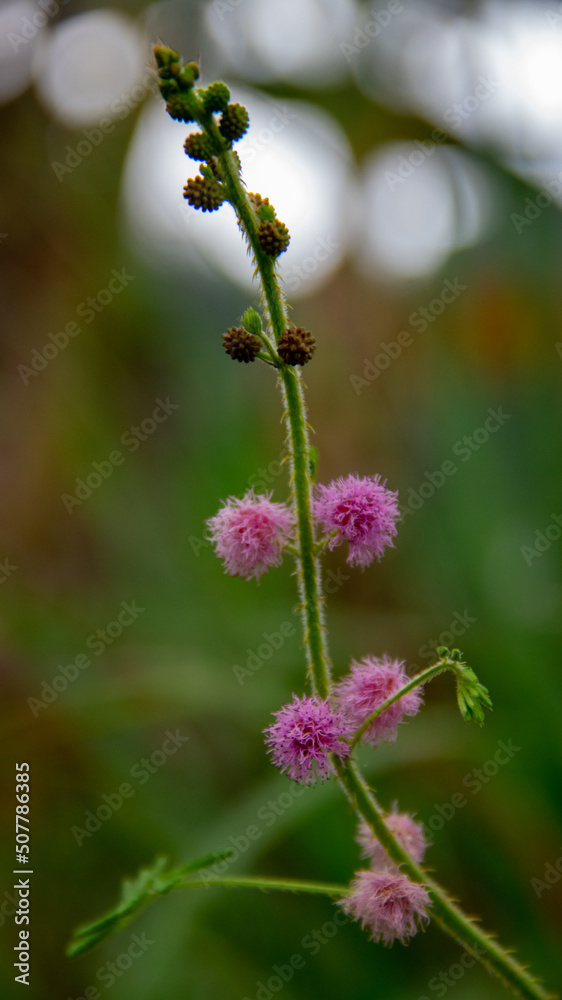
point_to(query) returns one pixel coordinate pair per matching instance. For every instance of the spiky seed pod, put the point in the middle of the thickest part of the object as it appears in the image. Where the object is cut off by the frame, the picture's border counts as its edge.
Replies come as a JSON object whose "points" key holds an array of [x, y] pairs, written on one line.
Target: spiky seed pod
{"points": [[296, 346], [204, 193], [234, 122], [178, 109], [273, 237], [198, 146], [215, 97], [241, 345], [257, 200]]}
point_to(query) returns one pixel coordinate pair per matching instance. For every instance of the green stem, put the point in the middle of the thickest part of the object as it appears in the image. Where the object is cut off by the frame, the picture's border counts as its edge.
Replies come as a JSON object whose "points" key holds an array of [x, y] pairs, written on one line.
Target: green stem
{"points": [[445, 912], [287, 885], [449, 916], [421, 678], [308, 565]]}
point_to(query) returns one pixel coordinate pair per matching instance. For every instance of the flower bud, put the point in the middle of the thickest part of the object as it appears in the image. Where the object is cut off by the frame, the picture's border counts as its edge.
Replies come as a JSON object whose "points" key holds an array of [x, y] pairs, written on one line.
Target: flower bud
{"points": [[252, 322], [179, 108], [273, 237], [215, 97], [234, 122], [204, 193], [198, 146]]}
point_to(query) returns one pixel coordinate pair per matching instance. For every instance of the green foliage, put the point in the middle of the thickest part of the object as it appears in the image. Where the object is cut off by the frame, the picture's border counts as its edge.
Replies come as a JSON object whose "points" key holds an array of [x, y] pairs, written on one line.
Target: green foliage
{"points": [[136, 893]]}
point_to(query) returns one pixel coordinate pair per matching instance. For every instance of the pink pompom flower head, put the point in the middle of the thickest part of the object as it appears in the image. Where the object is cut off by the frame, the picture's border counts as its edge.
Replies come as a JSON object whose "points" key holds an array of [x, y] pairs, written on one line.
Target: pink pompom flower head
{"points": [[250, 534], [409, 834], [362, 512], [370, 682], [306, 732], [387, 903]]}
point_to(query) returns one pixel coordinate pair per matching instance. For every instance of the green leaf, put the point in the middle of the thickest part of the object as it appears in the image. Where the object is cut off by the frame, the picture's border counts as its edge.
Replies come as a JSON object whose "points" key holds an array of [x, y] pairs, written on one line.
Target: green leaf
{"points": [[135, 894], [266, 213], [472, 696], [252, 322]]}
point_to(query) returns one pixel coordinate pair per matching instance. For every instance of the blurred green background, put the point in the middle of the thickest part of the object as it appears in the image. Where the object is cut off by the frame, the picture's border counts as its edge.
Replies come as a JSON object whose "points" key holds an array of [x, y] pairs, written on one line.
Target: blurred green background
{"points": [[409, 211]]}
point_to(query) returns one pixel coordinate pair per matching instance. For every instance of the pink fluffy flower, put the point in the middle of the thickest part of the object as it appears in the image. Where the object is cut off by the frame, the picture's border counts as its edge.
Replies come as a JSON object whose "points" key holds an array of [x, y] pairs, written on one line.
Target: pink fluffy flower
{"points": [[388, 904], [362, 511], [408, 833], [307, 731], [249, 534], [366, 686]]}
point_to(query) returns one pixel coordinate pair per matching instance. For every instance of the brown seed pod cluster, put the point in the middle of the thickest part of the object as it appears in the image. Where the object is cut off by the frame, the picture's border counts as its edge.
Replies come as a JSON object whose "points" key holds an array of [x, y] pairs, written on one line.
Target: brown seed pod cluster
{"points": [[241, 345], [296, 346]]}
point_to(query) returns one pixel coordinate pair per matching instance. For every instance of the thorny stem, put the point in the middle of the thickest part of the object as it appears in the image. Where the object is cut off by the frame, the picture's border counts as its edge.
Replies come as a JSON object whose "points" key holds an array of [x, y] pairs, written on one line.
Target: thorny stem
{"points": [[446, 913], [449, 916], [308, 565]]}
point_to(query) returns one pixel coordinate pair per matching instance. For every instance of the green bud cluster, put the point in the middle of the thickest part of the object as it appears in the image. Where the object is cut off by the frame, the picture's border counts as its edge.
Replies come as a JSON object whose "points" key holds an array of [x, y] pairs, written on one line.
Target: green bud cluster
{"points": [[183, 103]]}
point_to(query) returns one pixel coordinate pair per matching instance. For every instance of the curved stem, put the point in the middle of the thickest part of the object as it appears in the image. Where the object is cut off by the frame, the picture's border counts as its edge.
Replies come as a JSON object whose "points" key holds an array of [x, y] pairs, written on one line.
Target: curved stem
{"points": [[421, 678], [446, 913], [449, 916]]}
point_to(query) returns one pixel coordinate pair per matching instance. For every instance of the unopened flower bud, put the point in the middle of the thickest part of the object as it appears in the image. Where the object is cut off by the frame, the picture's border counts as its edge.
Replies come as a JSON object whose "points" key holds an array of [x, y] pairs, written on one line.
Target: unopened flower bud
{"points": [[198, 146], [178, 108], [204, 193], [234, 122], [252, 321], [215, 97], [273, 237]]}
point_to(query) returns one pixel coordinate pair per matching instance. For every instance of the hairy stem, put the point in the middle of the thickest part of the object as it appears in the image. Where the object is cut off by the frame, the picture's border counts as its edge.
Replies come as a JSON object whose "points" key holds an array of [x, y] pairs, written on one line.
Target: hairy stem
{"points": [[445, 912], [257, 882], [449, 916], [308, 565]]}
